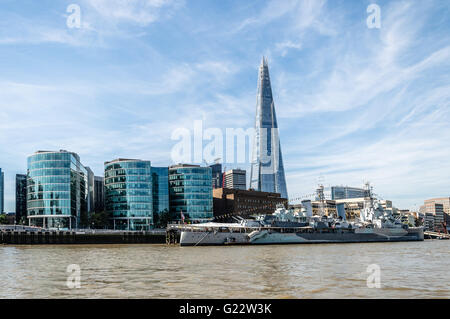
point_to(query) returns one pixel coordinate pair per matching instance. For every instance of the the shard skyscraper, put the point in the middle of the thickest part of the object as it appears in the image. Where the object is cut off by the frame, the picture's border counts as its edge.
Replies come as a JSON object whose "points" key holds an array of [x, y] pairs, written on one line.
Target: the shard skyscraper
{"points": [[267, 170]]}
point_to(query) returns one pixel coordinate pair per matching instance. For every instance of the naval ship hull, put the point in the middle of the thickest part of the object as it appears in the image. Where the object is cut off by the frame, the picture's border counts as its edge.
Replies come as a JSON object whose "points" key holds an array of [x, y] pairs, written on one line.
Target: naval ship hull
{"points": [[265, 237]]}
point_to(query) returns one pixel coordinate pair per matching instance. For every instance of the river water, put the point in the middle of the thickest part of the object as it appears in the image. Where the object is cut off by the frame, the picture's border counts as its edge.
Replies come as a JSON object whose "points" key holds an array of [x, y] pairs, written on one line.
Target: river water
{"points": [[407, 270]]}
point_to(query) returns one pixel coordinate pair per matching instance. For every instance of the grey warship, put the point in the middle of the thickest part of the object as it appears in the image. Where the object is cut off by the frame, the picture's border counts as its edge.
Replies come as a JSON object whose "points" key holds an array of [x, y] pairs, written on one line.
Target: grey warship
{"points": [[287, 227]]}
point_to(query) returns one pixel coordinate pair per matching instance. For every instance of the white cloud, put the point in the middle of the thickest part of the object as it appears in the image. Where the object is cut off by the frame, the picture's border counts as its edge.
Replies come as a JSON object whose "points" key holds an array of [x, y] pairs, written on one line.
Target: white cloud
{"points": [[284, 47], [139, 12]]}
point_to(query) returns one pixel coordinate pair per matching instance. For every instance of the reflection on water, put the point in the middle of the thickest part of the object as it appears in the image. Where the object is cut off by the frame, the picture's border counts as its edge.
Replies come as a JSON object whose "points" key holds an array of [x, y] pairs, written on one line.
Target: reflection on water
{"points": [[408, 270]]}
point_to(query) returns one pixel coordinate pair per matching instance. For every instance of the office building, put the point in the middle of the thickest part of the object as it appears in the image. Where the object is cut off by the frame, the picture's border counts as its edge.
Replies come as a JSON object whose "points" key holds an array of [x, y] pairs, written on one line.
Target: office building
{"points": [[267, 169], [57, 190], [190, 193], [433, 209], [99, 194], [217, 175], [21, 198], [445, 201], [428, 221], [160, 180], [2, 191], [235, 179], [128, 194], [346, 192], [326, 207], [236, 202]]}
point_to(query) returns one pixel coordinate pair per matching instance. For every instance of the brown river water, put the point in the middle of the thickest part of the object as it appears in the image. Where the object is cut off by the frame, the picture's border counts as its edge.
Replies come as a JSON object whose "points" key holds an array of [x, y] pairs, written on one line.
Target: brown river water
{"points": [[407, 270]]}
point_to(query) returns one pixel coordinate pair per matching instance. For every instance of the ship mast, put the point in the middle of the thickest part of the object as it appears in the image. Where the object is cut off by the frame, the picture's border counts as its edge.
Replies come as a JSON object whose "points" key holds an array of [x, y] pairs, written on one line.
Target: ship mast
{"points": [[368, 202], [321, 198]]}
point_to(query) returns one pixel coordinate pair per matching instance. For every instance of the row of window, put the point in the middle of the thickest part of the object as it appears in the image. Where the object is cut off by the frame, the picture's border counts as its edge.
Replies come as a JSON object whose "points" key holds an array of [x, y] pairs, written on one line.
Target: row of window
{"points": [[190, 196], [191, 183], [191, 170], [124, 179], [124, 172], [50, 157], [49, 188], [49, 203], [191, 177], [204, 190], [49, 180], [51, 211], [128, 186], [48, 195], [132, 192], [49, 172], [123, 212], [129, 199], [121, 165], [48, 164]]}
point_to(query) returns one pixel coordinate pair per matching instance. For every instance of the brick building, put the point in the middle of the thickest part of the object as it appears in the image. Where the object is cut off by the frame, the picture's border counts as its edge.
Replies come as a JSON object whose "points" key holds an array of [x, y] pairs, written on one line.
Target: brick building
{"points": [[228, 202]]}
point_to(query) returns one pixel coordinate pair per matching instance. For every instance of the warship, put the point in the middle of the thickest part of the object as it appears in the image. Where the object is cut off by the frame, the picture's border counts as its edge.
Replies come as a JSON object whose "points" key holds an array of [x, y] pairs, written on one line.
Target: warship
{"points": [[284, 226]]}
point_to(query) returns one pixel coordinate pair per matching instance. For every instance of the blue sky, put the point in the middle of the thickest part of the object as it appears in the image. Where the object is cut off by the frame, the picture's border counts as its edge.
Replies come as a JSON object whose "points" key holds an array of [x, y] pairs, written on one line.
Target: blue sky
{"points": [[353, 103]]}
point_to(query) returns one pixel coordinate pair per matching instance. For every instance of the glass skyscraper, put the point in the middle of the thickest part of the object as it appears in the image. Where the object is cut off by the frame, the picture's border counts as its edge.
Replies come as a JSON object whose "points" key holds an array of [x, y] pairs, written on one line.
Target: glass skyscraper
{"points": [[128, 194], [190, 192], [57, 190], [267, 170]]}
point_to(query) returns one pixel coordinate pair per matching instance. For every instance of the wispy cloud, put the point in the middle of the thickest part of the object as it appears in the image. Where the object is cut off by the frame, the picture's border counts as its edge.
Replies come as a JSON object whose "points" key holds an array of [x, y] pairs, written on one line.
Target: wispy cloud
{"points": [[139, 12]]}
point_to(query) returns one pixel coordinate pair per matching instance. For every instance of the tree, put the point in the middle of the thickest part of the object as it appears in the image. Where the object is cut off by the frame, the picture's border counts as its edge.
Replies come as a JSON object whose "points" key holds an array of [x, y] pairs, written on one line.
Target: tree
{"points": [[99, 220], [23, 220], [3, 219], [162, 219]]}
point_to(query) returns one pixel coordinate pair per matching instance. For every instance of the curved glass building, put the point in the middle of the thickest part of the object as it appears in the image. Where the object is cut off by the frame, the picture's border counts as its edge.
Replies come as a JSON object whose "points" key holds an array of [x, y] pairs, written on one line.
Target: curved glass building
{"points": [[128, 194], [57, 195], [190, 192]]}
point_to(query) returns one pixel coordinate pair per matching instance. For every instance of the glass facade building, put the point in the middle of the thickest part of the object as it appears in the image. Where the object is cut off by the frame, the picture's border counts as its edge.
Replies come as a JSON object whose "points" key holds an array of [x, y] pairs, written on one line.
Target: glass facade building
{"points": [[21, 197], [99, 194], [90, 179], [190, 192], [345, 192], [57, 190], [160, 178], [267, 169], [217, 175], [128, 194]]}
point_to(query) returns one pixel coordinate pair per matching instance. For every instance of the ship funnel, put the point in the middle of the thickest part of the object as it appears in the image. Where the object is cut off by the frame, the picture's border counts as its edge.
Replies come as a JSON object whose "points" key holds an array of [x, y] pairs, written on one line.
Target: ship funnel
{"points": [[341, 210], [308, 206]]}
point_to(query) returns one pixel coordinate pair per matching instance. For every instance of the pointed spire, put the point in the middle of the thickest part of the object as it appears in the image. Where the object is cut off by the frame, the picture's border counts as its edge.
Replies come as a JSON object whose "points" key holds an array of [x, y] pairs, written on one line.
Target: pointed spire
{"points": [[267, 169], [264, 61]]}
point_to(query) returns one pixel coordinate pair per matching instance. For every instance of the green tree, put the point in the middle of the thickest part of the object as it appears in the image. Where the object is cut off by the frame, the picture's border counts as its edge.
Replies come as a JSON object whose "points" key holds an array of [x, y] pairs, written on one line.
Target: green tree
{"points": [[99, 220], [23, 220], [3, 219], [162, 219]]}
